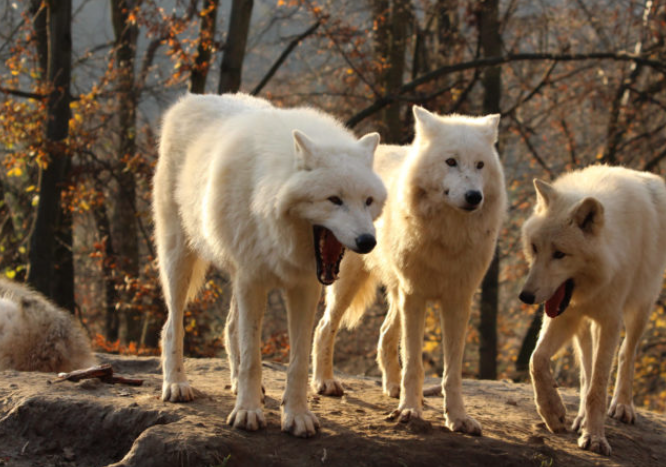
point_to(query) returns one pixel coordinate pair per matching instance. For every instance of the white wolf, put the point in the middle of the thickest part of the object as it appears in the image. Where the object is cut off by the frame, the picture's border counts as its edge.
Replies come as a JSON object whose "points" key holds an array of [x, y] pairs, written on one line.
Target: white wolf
{"points": [[597, 250], [36, 335], [436, 237], [240, 186]]}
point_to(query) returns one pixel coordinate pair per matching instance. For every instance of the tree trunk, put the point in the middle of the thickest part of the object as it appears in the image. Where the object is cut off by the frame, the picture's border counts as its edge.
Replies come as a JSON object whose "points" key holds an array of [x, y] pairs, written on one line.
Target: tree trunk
{"points": [[528, 345], [400, 17], [392, 20], [125, 236], [205, 48], [111, 321], [491, 44], [234, 51], [52, 227]]}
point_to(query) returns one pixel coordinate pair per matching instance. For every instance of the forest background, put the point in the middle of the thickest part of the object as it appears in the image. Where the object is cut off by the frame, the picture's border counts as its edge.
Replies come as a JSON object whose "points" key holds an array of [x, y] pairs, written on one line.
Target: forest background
{"points": [[83, 84]]}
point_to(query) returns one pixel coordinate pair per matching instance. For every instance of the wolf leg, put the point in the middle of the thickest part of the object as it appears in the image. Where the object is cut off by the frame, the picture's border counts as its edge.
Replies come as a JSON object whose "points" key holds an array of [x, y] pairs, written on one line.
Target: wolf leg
{"points": [[178, 268], [622, 404], [605, 337], [554, 334], [583, 346], [387, 347], [301, 309], [231, 342], [412, 318], [251, 302], [454, 317], [338, 298]]}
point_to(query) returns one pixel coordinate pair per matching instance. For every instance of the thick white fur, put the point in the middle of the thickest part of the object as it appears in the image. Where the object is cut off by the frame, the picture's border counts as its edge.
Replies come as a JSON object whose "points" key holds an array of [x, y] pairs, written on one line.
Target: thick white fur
{"points": [[239, 185], [610, 223], [428, 248], [36, 335]]}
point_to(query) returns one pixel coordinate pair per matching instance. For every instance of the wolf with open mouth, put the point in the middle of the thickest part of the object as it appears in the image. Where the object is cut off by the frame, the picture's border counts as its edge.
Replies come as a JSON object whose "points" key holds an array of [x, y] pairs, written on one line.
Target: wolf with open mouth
{"points": [[273, 197], [596, 244]]}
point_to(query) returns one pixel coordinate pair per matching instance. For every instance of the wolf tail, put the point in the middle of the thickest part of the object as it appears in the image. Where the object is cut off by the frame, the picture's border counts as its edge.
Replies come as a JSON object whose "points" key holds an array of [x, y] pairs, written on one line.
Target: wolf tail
{"points": [[365, 295]]}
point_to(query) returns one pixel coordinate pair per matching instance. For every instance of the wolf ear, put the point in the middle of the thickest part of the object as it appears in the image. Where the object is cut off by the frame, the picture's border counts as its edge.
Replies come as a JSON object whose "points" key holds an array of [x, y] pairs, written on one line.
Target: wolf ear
{"points": [[369, 145], [588, 214], [545, 192], [305, 149], [490, 124], [426, 122]]}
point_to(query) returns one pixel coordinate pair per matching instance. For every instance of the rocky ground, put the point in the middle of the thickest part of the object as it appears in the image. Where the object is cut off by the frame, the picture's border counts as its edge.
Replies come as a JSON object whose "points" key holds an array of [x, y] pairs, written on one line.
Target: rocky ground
{"points": [[90, 423]]}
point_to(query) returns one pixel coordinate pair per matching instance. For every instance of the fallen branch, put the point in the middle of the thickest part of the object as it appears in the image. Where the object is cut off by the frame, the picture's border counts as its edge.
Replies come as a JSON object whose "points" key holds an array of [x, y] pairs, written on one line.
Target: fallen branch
{"points": [[103, 372]]}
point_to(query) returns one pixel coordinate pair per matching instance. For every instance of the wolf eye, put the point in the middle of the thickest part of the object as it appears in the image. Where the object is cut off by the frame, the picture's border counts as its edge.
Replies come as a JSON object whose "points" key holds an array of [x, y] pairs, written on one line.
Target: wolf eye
{"points": [[335, 200], [479, 165], [557, 254], [451, 162], [369, 201]]}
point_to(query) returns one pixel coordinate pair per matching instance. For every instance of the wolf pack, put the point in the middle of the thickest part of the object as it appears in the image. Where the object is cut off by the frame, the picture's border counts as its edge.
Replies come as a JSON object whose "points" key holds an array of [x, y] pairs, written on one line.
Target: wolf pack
{"points": [[289, 198]]}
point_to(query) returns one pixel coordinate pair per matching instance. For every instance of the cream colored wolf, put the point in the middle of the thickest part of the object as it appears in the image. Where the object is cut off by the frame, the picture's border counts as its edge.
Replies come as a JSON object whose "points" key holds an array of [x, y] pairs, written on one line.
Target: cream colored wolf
{"points": [[597, 249], [36, 335], [436, 239], [272, 196]]}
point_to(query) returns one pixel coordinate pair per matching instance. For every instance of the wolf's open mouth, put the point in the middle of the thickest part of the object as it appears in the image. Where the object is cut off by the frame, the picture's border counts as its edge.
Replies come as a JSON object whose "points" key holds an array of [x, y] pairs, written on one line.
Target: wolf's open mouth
{"points": [[559, 302], [328, 252]]}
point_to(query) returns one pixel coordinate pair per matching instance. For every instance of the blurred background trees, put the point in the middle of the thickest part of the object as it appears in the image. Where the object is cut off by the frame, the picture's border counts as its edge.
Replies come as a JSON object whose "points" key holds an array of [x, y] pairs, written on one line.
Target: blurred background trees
{"points": [[83, 84]]}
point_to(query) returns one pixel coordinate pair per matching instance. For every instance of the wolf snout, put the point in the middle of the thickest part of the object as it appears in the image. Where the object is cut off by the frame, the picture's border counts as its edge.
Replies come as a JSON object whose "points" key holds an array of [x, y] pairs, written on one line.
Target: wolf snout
{"points": [[365, 243], [473, 197], [527, 297]]}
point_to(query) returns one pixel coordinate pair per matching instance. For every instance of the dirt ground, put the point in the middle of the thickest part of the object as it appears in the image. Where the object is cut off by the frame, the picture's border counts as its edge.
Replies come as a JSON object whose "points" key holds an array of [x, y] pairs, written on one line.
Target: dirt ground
{"points": [[90, 423]]}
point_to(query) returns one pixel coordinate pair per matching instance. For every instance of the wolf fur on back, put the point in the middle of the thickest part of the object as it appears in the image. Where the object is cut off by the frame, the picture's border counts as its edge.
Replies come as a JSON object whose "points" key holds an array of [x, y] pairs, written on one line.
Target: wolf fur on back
{"points": [[597, 252], [36, 335], [436, 238], [272, 196]]}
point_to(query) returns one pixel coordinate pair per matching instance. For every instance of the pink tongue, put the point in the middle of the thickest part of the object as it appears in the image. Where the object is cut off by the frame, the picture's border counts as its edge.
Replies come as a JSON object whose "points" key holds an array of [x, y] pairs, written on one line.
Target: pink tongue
{"points": [[553, 303]]}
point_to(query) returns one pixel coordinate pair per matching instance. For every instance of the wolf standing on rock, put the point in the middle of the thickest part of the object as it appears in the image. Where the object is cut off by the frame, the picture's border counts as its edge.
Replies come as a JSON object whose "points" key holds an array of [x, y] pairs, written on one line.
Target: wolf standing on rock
{"points": [[272, 196], [596, 243], [436, 239]]}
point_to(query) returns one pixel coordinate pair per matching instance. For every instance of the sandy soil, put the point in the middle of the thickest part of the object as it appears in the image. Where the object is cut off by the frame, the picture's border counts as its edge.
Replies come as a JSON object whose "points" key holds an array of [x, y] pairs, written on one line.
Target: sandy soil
{"points": [[44, 423]]}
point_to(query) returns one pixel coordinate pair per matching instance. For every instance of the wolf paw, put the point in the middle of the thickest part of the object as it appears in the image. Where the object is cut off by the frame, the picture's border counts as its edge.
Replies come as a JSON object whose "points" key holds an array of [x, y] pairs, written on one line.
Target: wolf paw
{"points": [[464, 424], [578, 422], [177, 392], [405, 415], [593, 443], [301, 424], [392, 390], [622, 412], [250, 420], [555, 417], [328, 387]]}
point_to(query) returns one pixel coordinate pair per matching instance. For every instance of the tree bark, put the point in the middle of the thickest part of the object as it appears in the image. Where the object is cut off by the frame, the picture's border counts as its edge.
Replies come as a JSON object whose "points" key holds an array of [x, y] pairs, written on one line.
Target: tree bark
{"points": [[111, 321], [234, 51], [529, 343], [391, 20], [50, 242], [491, 45], [125, 236], [401, 14], [205, 47]]}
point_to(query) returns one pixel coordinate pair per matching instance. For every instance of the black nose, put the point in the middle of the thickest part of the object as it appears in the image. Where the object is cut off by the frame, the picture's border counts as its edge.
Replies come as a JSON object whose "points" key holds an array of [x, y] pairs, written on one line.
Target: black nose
{"points": [[473, 197], [526, 297], [365, 243]]}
